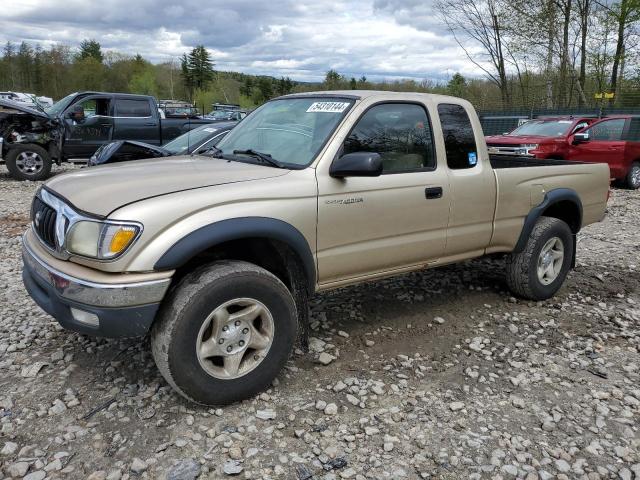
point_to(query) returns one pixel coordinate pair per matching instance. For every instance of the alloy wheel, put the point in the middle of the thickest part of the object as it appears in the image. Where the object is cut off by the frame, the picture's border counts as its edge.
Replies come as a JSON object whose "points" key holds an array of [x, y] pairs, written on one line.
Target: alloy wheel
{"points": [[235, 338], [550, 261]]}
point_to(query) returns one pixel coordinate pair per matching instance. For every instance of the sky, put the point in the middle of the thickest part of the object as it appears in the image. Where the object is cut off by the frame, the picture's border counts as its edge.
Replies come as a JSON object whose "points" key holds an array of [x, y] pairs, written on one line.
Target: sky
{"points": [[381, 39]]}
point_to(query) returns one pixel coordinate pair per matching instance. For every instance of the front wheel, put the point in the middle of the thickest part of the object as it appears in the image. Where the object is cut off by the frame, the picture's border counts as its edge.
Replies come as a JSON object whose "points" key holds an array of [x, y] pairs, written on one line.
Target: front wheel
{"points": [[28, 162], [224, 332], [632, 180], [539, 271]]}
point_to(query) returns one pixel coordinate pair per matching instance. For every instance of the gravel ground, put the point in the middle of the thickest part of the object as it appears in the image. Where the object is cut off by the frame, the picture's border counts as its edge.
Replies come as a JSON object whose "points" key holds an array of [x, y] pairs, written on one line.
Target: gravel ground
{"points": [[438, 374]]}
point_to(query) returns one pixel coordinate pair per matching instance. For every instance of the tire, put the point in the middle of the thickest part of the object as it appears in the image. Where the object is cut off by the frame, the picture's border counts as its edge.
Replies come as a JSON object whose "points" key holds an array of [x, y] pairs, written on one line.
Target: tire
{"points": [[523, 276], [28, 162], [632, 180], [206, 299]]}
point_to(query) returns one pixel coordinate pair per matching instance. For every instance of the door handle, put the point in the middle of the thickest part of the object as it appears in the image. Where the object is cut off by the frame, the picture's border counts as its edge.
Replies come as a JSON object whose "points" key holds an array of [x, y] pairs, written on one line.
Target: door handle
{"points": [[431, 193], [105, 124], [150, 124]]}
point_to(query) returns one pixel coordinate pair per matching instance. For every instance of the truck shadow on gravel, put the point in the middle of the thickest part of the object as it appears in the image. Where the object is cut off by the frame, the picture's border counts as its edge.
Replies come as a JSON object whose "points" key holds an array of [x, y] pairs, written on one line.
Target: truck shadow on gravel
{"points": [[397, 314]]}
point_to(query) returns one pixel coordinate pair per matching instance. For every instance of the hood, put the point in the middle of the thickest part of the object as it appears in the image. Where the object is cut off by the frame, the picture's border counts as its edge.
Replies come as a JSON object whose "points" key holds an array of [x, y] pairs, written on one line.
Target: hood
{"points": [[101, 190], [519, 139], [9, 105]]}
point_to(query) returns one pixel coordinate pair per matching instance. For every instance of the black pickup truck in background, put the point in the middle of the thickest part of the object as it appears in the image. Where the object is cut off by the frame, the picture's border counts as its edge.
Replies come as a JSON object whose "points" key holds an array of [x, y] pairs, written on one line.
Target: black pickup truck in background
{"points": [[76, 126]]}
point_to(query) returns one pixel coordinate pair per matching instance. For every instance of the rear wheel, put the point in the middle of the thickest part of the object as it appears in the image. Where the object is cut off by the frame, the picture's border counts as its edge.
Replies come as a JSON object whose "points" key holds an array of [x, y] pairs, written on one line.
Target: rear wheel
{"points": [[224, 332], [632, 180], [28, 162], [539, 271]]}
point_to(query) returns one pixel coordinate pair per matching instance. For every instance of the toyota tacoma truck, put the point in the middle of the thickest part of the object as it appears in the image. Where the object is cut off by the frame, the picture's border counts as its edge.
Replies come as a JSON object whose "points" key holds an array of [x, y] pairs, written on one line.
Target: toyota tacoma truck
{"points": [[216, 255], [32, 138]]}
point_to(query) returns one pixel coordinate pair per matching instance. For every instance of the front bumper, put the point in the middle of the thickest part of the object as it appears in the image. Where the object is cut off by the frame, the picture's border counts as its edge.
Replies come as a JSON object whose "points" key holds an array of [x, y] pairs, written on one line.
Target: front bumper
{"points": [[102, 309]]}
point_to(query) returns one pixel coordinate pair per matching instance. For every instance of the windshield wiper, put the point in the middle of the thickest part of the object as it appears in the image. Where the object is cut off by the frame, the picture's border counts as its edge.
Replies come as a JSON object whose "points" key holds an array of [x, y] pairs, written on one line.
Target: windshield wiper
{"points": [[265, 157], [216, 152]]}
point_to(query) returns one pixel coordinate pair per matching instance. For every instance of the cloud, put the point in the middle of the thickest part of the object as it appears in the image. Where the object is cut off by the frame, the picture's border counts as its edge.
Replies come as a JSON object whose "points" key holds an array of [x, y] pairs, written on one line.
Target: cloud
{"points": [[376, 38]]}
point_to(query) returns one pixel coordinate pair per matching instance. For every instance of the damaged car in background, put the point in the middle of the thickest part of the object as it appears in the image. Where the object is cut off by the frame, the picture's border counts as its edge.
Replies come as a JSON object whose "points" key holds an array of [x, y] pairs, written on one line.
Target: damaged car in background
{"points": [[195, 141], [76, 126], [28, 138]]}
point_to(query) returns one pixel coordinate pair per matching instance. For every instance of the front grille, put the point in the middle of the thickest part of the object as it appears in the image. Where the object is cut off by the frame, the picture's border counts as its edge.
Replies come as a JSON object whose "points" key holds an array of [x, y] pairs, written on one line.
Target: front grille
{"points": [[44, 222]]}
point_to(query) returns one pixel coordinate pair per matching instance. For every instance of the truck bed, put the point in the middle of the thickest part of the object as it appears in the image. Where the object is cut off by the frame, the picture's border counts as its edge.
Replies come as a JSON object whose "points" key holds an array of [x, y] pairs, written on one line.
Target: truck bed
{"points": [[512, 161], [522, 184]]}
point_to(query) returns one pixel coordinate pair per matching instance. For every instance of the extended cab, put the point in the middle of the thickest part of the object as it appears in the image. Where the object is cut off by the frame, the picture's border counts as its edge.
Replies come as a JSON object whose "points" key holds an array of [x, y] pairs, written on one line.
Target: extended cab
{"points": [[217, 255], [76, 126]]}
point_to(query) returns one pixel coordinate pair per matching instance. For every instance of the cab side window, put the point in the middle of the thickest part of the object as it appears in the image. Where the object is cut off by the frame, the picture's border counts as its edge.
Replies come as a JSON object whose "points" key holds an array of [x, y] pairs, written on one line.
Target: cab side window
{"points": [[95, 106], [399, 132], [459, 140], [132, 108], [608, 130]]}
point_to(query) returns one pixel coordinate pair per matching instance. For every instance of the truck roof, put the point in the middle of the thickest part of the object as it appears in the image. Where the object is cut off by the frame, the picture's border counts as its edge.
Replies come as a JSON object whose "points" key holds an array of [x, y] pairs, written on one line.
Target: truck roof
{"points": [[362, 94]]}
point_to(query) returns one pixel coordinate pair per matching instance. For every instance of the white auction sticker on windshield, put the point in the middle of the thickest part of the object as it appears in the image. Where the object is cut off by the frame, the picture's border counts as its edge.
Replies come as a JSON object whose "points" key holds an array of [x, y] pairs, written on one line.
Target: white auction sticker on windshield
{"points": [[327, 107]]}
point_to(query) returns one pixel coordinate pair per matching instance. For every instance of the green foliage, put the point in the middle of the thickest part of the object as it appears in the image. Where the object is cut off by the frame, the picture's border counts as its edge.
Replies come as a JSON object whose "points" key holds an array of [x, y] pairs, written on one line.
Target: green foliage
{"points": [[144, 82], [88, 74], [457, 86], [58, 70], [333, 80], [90, 49], [197, 69]]}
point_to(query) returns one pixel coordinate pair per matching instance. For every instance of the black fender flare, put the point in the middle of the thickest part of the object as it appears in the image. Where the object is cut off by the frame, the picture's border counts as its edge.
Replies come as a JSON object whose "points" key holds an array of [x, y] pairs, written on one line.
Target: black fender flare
{"points": [[216, 233], [552, 197]]}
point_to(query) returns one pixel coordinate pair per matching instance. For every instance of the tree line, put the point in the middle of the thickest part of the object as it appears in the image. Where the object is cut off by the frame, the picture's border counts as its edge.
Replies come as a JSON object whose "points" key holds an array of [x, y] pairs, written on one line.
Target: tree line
{"points": [[550, 53], [553, 53]]}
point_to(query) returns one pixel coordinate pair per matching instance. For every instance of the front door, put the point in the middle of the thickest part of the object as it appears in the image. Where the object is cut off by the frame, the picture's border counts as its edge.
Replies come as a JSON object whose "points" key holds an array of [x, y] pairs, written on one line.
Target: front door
{"points": [[371, 225], [605, 145], [88, 125]]}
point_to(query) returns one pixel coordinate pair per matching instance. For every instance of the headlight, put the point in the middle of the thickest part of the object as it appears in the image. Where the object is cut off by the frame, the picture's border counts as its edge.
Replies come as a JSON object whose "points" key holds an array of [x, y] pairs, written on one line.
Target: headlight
{"points": [[102, 240]]}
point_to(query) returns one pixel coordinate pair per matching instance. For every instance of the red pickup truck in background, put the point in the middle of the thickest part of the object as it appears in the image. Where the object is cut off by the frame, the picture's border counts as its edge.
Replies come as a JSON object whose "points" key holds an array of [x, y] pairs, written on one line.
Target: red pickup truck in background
{"points": [[614, 140]]}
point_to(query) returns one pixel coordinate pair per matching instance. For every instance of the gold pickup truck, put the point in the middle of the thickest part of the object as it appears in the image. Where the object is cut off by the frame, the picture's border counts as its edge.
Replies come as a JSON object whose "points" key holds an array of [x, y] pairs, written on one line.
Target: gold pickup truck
{"points": [[215, 255]]}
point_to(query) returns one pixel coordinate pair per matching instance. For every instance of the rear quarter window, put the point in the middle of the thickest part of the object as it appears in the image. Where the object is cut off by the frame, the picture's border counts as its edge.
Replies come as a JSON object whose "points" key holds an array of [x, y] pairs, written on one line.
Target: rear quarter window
{"points": [[459, 140]]}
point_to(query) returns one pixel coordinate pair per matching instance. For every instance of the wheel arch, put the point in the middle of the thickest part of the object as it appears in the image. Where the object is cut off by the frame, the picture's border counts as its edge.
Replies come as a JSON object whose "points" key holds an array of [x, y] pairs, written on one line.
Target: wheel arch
{"points": [[561, 203], [250, 237]]}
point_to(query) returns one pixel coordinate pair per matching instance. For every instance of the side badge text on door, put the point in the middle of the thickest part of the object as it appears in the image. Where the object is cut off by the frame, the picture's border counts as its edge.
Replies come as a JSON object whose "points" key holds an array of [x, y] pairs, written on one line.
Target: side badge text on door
{"points": [[345, 201]]}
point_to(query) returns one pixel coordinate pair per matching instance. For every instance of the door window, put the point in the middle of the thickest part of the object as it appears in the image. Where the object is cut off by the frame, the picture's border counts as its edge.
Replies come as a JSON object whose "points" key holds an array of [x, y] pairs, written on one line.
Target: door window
{"points": [[608, 130], [95, 106], [399, 132], [579, 126], [459, 140], [132, 108]]}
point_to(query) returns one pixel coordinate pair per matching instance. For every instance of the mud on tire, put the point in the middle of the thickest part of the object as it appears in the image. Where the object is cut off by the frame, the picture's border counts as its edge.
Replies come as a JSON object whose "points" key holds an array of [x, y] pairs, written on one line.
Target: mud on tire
{"points": [[535, 274], [208, 312]]}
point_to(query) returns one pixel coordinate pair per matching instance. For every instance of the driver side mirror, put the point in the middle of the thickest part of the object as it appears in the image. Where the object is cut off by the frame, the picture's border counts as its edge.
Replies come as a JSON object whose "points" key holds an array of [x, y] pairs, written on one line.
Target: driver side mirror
{"points": [[76, 113], [357, 164], [579, 138]]}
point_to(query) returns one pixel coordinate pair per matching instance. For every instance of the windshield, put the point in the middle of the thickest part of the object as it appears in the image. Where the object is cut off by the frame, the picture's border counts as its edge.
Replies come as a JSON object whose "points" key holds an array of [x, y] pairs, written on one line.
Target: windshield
{"points": [[221, 114], [187, 141], [291, 130], [58, 107], [544, 128]]}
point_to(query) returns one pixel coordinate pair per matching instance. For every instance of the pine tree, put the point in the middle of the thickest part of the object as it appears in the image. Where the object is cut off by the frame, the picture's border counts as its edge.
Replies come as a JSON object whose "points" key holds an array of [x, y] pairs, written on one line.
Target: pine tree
{"points": [[90, 49], [200, 67]]}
